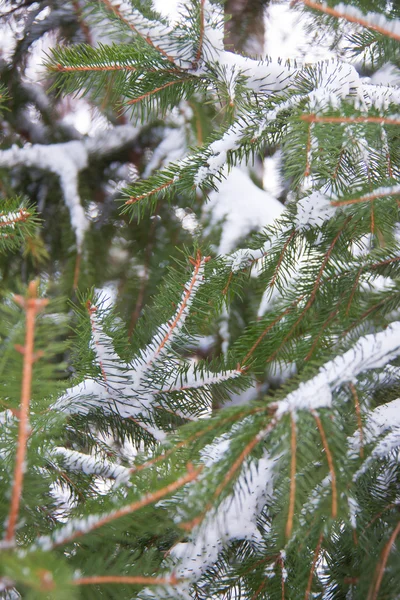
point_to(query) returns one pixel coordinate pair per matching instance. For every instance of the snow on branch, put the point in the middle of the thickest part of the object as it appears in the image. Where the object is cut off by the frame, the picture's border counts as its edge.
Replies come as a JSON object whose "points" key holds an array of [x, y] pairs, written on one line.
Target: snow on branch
{"points": [[132, 390], [66, 160], [376, 21], [76, 528], [315, 209], [10, 219], [372, 351], [92, 465]]}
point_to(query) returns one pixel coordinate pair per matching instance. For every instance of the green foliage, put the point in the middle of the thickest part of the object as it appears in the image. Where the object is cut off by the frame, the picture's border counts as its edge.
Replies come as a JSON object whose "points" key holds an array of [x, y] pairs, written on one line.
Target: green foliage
{"points": [[138, 477]]}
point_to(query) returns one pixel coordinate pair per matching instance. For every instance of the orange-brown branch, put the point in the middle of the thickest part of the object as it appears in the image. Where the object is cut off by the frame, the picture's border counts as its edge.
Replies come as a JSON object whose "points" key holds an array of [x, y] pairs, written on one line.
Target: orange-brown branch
{"points": [[330, 463], [188, 526], [380, 568], [359, 21], [366, 198], [280, 259], [126, 580], [312, 118], [188, 292], [114, 9], [307, 170], [23, 216], [78, 68], [313, 292], [191, 475], [32, 305], [314, 562], [201, 35], [293, 444], [358, 413], [133, 200], [269, 327], [155, 91]]}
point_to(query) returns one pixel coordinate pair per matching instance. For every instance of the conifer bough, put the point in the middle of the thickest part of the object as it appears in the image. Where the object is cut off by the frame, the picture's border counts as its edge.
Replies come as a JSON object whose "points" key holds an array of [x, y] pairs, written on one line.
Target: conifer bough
{"points": [[290, 490]]}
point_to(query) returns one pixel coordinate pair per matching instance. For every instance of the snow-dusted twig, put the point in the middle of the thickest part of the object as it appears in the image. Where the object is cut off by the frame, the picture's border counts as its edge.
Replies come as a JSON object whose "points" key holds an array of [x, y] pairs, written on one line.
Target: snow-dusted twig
{"points": [[66, 160]]}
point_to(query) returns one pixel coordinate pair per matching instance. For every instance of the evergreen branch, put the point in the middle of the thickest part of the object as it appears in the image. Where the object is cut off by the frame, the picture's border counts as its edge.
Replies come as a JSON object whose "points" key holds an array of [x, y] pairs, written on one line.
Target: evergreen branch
{"points": [[133, 200], [90, 68], [126, 580], [281, 256], [313, 118], [313, 292], [330, 463], [330, 318], [358, 414], [314, 563], [353, 15], [124, 13], [201, 36], [380, 568], [232, 471], [269, 327], [32, 306], [307, 170], [379, 193], [11, 218], [151, 93], [182, 310], [292, 496], [75, 530]]}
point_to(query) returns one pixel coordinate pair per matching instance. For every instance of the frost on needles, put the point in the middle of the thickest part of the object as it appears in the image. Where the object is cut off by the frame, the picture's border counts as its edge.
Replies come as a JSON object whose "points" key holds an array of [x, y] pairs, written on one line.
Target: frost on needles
{"points": [[154, 487]]}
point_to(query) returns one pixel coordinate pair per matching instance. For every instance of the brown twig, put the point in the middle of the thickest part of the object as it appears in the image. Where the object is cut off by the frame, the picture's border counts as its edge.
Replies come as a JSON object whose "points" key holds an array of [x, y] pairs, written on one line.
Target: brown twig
{"points": [[330, 463], [312, 118], [380, 567], [314, 562], [293, 442], [191, 475], [114, 9], [201, 36], [188, 292], [133, 200], [366, 198], [32, 305], [157, 89], [358, 413], [359, 21], [126, 580]]}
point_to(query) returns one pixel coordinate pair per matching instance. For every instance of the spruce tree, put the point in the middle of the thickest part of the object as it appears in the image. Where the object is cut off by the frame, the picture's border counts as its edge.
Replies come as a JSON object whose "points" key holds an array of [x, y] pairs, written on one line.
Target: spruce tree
{"points": [[230, 426]]}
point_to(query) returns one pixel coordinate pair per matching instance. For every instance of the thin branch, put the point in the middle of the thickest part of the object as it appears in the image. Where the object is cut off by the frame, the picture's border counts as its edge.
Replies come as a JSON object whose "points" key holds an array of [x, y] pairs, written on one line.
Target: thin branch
{"points": [[358, 413], [307, 170], [366, 198], [78, 68], [10, 218], [188, 292], [32, 305], [269, 327], [188, 526], [380, 568], [126, 580], [330, 463], [157, 89], [293, 443], [314, 562], [133, 200], [312, 118], [115, 9], [191, 475], [317, 338], [314, 290], [280, 259], [201, 36], [352, 19]]}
